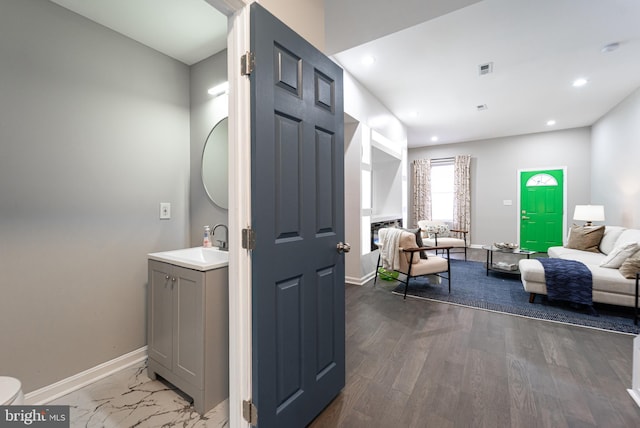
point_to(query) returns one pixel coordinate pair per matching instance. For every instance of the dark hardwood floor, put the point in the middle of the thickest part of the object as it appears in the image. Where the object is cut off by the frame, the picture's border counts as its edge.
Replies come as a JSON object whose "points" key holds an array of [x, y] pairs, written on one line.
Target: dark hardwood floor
{"points": [[417, 363]]}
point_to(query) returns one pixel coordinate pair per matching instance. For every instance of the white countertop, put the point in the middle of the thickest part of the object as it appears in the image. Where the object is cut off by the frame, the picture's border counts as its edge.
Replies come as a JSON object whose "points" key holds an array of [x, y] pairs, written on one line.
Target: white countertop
{"points": [[197, 258]]}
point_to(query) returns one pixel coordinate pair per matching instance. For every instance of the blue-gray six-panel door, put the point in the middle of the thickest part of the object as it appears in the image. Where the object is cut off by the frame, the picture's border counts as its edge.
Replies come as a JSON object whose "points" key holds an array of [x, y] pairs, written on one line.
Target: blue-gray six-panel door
{"points": [[297, 197]]}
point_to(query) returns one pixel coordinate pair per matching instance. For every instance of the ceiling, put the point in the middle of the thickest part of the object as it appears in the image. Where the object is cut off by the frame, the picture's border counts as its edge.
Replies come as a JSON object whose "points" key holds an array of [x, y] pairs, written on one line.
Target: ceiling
{"points": [[427, 75]]}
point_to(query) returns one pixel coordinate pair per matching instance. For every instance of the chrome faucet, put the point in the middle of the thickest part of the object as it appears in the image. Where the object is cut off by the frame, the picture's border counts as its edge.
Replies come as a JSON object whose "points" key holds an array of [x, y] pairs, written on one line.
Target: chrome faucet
{"points": [[223, 243]]}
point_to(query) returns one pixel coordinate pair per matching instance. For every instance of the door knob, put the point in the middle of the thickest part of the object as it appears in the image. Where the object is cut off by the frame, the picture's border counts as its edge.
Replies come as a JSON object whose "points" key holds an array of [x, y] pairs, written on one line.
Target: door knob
{"points": [[343, 247], [525, 218]]}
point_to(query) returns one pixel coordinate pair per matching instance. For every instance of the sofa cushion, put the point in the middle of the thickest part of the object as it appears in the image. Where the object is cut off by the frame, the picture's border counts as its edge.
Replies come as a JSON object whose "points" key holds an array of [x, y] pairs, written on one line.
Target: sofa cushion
{"points": [[586, 257], [611, 281], [611, 235], [585, 238], [631, 266], [629, 235], [619, 254]]}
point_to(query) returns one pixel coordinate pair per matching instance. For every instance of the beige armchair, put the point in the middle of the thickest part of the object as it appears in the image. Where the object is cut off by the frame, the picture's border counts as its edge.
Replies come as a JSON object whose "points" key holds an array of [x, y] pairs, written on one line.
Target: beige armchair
{"points": [[436, 233], [410, 265]]}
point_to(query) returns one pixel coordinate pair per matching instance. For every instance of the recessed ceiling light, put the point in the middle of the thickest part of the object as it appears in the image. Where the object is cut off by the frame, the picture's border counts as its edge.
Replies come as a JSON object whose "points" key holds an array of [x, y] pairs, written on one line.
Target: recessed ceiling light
{"points": [[368, 60], [434, 138], [551, 122], [579, 82]]}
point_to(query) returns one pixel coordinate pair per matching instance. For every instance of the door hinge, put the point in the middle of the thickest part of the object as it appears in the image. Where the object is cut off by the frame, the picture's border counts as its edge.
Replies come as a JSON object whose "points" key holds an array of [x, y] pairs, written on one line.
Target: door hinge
{"points": [[247, 63], [248, 239], [250, 412]]}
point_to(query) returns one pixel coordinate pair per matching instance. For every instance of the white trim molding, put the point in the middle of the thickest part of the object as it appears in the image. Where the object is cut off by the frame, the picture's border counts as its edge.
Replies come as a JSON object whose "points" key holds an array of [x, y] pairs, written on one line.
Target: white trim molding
{"points": [[73, 383], [634, 391], [359, 281], [240, 386]]}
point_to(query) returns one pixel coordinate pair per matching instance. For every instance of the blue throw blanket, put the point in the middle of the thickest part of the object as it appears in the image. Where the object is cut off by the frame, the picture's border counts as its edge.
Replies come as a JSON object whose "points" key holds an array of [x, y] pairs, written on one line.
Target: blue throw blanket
{"points": [[568, 280]]}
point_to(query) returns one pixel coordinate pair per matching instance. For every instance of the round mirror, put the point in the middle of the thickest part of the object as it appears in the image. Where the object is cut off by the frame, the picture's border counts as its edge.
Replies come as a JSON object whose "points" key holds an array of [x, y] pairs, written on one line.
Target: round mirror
{"points": [[215, 167]]}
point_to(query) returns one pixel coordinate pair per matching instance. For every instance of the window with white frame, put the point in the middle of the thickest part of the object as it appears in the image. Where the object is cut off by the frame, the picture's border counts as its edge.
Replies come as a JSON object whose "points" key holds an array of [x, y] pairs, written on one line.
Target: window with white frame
{"points": [[442, 176]]}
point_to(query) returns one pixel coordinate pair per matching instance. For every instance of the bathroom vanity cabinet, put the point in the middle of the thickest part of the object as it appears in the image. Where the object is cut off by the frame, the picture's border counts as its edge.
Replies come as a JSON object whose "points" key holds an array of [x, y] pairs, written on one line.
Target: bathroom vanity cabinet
{"points": [[188, 331]]}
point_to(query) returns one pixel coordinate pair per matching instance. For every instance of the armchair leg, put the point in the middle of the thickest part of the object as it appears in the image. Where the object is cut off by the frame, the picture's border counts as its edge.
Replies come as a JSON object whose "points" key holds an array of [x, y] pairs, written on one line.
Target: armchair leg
{"points": [[406, 284], [377, 267], [449, 269], [635, 314]]}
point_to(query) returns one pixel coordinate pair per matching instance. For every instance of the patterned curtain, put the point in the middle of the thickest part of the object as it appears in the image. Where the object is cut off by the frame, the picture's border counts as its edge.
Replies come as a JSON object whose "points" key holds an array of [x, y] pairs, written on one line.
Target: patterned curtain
{"points": [[462, 193], [421, 190]]}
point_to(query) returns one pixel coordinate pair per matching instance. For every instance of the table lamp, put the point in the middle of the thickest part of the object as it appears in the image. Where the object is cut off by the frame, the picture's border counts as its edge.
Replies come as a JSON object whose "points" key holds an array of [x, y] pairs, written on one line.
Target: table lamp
{"points": [[589, 213]]}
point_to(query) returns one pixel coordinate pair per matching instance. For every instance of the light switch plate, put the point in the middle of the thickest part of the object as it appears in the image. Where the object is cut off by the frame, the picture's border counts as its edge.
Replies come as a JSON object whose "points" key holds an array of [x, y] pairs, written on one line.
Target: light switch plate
{"points": [[507, 202], [165, 210]]}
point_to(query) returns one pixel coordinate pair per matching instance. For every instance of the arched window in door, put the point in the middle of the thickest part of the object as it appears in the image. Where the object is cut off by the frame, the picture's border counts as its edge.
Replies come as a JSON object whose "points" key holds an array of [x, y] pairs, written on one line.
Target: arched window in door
{"points": [[542, 180]]}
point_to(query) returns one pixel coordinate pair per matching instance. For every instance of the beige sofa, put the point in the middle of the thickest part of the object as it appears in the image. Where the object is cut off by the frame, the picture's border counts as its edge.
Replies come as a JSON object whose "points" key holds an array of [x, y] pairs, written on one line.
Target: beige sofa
{"points": [[609, 284]]}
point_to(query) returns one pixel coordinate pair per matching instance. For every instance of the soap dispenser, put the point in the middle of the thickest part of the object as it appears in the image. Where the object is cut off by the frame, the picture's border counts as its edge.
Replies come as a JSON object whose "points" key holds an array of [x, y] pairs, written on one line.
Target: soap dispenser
{"points": [[206, 241]]}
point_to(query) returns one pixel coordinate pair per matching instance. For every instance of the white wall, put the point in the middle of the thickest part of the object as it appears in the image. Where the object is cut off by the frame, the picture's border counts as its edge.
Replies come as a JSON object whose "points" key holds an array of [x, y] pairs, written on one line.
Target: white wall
{"points": [[206, 112], [366, 114], [387, 186], [615, 181], [494, 175], [94, 134], [352, 197]]}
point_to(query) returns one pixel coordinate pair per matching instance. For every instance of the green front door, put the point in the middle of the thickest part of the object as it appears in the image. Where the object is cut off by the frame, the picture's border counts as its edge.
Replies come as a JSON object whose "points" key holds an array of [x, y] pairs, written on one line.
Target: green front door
{"points": [[541, 209]]}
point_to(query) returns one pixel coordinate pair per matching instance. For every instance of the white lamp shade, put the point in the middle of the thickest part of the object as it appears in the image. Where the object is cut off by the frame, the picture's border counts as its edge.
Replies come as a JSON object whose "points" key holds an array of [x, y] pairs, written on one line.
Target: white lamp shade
{"points": [[589, 213]]}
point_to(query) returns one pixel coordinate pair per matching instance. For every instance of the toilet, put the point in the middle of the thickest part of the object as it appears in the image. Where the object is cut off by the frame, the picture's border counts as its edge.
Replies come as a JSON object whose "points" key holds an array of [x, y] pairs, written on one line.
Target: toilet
{"points": [[10, 391]]}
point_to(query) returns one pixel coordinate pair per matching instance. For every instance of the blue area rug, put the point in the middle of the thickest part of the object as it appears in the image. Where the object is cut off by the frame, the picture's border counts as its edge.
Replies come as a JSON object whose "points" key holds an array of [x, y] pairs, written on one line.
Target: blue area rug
{"points": [[504, 293]]}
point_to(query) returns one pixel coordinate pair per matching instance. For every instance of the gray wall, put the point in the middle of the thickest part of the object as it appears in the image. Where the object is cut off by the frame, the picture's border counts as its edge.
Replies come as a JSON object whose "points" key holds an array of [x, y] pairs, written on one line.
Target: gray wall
{"points": [[494, 175], [94, 134], [206, 111], [615, 163]]}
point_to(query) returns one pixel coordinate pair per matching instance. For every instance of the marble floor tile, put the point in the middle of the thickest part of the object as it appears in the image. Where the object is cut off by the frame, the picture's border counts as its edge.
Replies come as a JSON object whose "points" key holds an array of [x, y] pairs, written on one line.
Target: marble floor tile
{"points": [[129, 398]]}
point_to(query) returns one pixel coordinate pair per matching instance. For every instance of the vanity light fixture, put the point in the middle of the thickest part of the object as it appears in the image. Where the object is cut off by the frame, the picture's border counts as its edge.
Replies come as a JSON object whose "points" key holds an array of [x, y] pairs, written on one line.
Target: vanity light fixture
{"points": [[579, 82], [221, 89]]}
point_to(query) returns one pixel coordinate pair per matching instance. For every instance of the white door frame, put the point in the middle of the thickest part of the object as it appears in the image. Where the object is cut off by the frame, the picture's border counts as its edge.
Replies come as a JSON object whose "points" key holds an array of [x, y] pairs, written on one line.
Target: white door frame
{"points": [[238, 43]]}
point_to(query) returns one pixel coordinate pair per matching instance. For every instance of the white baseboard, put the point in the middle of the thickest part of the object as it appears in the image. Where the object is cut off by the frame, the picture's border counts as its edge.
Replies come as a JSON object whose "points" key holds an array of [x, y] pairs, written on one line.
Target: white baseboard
{"points": [[634, 391], [359, 281], [65, 386], [635, 395]]}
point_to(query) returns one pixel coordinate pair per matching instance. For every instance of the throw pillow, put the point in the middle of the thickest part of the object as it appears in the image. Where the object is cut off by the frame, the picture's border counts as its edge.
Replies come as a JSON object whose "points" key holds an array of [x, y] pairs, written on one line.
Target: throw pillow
{"points": [[437, 228], [618, 255], [631, 266], [585, 238], [418, 234]]}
